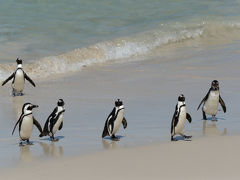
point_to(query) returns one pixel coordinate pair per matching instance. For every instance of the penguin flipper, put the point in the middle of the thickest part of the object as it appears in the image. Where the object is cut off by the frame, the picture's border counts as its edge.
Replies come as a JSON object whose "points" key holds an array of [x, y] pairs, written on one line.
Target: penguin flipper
{"points": [[17, 123], [189, 118], [9, 78], [124, 122], [36, 123], [174, 120], [60, 127], [29, 79], [204, 99], [105, 131], [45, 129], [222, 104], [108, 122]]}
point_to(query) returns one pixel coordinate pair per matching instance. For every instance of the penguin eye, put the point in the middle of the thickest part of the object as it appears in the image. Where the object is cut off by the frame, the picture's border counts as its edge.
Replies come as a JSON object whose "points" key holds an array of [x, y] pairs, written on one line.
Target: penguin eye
{"points": [[29, 108]]}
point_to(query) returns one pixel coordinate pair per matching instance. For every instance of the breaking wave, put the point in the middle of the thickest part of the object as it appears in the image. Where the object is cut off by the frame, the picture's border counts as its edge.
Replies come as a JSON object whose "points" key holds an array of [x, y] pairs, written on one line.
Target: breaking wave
{"points": [[127, 48]]}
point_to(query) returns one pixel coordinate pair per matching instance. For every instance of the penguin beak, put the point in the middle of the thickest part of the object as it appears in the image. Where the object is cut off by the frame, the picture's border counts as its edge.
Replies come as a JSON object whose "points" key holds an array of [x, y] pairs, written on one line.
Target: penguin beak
{"points": [[34, 106]]}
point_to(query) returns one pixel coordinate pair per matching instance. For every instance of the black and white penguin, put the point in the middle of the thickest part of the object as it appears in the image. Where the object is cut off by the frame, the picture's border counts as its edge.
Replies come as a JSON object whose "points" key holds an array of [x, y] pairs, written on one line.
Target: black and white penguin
{"points": [[211, 101], [54, 121], [19, 77], [26, 122], [114, 120], [179, 118]]}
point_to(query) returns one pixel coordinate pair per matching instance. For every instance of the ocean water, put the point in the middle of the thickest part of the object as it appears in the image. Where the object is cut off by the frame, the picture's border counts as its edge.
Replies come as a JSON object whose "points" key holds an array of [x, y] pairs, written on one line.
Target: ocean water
{"points": [[58, 37]]}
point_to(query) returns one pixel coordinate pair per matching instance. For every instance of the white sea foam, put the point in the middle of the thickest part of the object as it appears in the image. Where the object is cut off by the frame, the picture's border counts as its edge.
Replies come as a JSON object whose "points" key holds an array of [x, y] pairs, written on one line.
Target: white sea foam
{"points": [[126, 48]]}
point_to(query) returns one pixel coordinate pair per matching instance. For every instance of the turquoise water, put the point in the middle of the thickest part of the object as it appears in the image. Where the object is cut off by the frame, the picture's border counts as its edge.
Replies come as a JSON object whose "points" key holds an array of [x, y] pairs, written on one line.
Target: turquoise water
{"points": [[38, 31]]}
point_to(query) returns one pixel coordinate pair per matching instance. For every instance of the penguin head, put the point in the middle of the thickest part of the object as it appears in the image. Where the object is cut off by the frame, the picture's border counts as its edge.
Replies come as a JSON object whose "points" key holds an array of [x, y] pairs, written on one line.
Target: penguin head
{"points": [[181, 98], [215, 85], [19, 63], [60, 102], [27, 108], [118, 103]]}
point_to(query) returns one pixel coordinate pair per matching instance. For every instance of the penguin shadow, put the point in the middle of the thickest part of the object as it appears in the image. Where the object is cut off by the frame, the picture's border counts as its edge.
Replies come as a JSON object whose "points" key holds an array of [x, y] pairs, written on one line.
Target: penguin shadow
{"points": [[211, 129], [118, 138], [51, 150], [57, 138], [216, 119], [109, 144], [18, 102], [25, 153], [181, 138], [17, 94]]}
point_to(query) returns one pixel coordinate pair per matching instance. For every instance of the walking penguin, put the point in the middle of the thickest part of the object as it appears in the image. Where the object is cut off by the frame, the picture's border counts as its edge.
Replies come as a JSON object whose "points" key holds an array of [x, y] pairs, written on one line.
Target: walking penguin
{"points": [[26, 122], [211, 101], [18, 77], [54, 121], [179, 118], [114, 120]]}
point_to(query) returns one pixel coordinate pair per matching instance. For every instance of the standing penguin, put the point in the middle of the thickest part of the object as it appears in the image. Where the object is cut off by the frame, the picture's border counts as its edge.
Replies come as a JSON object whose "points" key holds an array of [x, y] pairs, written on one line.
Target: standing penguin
{"points": [[19, 77], [114, 120], [179, 118], [54, 121], [26, 121], [211, 101]]}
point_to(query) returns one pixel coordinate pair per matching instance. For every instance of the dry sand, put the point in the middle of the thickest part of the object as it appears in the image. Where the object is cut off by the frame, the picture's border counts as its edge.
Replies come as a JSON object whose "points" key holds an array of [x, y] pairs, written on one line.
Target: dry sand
{"points": [[206, 158]]}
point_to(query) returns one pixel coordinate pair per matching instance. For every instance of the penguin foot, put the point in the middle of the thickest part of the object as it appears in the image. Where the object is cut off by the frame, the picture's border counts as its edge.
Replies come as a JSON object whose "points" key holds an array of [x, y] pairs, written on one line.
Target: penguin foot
{"points": [[187, 137], [21, 144], [54, 139], [29, 143], [114, 138]]}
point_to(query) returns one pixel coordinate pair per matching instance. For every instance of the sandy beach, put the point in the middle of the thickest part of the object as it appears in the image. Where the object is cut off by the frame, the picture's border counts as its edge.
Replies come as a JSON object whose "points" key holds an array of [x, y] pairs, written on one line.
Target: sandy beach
{"points": [[206, 158]]}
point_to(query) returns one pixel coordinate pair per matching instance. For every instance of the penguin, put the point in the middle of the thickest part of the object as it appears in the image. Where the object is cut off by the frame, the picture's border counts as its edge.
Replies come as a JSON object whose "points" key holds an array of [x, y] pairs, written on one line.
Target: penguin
{"points": [[211, 101], [26, 122], [18, 77], [114, 120], [54, 121], [179, 118]]}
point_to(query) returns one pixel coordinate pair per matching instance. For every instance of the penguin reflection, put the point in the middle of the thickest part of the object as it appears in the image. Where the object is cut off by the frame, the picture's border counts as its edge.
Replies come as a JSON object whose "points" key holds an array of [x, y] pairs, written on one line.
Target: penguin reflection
{"points": [[25, 153], [109, 144], [211, 129], [51, 150], [18, 102]]}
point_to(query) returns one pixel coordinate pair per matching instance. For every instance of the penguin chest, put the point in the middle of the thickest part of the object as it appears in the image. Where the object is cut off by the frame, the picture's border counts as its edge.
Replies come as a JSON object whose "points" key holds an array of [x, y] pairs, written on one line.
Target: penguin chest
{"points": [[18, 83], [118, 121], [57, 124], [211, 104], [26, 127], [181, 121]]}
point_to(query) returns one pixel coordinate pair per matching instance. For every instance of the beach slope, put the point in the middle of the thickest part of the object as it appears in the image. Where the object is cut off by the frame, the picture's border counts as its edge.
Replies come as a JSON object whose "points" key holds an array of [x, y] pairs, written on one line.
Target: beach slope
{"points": [[205, 158]]}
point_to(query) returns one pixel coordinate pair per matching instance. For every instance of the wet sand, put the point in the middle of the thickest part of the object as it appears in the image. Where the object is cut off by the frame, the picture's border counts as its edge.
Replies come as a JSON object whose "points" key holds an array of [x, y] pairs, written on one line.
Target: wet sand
{"points": [[206, 158], [149, 90]]}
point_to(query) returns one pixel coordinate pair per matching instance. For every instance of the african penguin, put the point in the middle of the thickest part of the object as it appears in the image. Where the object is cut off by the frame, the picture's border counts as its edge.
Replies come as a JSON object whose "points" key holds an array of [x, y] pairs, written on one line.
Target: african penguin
{"points": [[26, 122], [179, 118], [114, 120], [19, 77], [211, 101], [54, 121]]}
